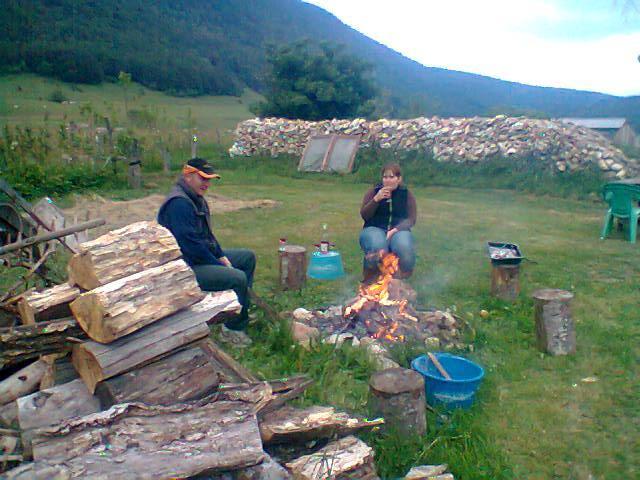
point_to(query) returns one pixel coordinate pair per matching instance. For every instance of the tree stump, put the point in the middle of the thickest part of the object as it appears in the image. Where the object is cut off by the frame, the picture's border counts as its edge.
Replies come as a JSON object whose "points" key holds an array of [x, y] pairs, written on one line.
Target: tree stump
{"points": [[398, 395], [555, 330], [293, 267], [505, 282]]}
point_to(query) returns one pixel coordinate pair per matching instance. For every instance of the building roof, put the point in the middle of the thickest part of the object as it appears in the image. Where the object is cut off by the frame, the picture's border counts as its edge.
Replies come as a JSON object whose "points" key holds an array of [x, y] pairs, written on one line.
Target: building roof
{"points": [[596, 123]]}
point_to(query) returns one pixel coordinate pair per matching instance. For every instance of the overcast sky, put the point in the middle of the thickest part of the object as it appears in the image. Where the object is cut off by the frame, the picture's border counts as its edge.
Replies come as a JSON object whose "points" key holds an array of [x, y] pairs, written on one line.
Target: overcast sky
{"points": [[586, 45]]}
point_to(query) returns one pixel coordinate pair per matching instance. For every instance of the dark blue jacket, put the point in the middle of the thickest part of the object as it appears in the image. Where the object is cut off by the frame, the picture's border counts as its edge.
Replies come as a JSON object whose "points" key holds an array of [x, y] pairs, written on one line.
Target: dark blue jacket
{"points": [[188, 218]]}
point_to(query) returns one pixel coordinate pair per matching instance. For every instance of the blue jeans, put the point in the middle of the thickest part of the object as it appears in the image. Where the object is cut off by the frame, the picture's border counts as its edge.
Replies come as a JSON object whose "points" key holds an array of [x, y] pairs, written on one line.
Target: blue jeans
{"points": [[374, 239], [214, 278]]}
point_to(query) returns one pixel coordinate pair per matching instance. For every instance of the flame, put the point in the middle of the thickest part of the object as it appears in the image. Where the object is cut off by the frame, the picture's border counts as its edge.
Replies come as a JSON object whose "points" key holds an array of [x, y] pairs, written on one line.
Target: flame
{"points": [[378, 292]]}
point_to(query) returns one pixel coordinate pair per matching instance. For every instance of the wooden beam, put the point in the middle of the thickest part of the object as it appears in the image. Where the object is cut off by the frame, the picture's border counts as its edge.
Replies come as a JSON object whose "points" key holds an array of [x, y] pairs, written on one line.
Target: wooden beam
{"points": [[126, 305], [96, 362]]}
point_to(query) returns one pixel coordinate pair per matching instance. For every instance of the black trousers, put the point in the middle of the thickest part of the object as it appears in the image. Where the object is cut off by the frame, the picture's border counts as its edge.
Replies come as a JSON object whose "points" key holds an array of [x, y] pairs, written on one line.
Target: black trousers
{"points": [[214, 278]]}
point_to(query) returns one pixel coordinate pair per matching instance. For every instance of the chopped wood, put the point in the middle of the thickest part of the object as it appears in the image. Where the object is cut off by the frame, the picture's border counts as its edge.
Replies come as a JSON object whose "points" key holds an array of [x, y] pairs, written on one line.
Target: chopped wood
{"points": [[47, 304], [120, 253], [9, 414], [49, 378], [96, 362], [50, 406], [426, 472], [9, 442], [292, 425], [128, 304], [348, 457], [231, 370], [267, 396], [27, 342], [23, 382], [137, 441], [187, 374]]}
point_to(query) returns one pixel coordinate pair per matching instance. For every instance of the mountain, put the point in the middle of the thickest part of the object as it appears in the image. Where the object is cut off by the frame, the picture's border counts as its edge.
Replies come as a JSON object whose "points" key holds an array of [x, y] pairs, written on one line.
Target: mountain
{"points": [[193, 47]]}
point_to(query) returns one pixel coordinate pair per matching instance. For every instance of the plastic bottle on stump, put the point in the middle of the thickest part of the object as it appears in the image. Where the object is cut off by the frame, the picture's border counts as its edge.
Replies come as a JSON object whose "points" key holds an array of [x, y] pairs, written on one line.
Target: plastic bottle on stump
{"points": [[324, 239]]}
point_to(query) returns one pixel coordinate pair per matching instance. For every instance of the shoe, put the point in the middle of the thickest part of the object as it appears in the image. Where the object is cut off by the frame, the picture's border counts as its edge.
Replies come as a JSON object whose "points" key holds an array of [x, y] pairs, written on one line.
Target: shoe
{"points": [[237, 338]]}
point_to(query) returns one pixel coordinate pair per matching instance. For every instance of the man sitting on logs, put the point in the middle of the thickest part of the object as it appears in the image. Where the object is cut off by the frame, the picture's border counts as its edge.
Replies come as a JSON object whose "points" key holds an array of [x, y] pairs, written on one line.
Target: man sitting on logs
{"points": [[186, 214]]}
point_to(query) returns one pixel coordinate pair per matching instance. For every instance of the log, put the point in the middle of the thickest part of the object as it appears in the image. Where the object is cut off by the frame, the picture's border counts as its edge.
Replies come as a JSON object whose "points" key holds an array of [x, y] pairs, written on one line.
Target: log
{"points": [[48, 304], [230, 370], [398, 395], [9, 414], [27, 342], [9, 441], [96, 362], [121, 253], [185, 375], [294, 425], [269, 469], [137, 441], [51, 406], [266, 396], [126, 305], [505, 282], [341, 459], [555, 330], [23, 382], [293, 267]]}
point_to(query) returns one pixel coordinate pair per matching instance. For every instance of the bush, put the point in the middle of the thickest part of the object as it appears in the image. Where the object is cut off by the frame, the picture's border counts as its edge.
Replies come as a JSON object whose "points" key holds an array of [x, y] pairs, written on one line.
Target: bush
{"points": [[57, 96]]}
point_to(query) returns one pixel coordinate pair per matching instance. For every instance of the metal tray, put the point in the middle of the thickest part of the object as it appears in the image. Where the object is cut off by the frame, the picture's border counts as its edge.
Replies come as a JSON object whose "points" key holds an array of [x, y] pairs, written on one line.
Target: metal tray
{"points": [[494, 247]]}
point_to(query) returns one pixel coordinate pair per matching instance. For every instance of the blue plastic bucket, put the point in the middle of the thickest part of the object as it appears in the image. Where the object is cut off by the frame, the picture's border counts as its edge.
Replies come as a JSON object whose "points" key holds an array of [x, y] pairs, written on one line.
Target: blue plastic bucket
{"points": [[325, 266], [460, 391]]}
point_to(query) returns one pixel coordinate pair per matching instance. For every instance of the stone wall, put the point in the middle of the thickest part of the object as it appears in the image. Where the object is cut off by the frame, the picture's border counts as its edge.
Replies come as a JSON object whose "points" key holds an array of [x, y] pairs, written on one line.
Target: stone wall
{"points": [[463, 140]]}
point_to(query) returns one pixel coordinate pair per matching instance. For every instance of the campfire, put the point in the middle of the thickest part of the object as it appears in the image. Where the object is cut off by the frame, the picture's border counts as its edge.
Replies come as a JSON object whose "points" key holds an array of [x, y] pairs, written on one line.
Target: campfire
{"points": [[383, 311]]}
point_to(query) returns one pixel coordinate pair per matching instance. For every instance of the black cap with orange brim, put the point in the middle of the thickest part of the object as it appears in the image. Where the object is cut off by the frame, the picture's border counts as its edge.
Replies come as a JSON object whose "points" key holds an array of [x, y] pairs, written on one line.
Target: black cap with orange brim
{"points": [[201, 167]]}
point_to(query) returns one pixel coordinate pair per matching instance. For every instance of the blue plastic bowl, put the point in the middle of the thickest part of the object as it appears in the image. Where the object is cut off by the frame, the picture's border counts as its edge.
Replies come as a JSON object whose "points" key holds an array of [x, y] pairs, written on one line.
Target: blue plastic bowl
{"points": [[460, 391], [325, 266]]}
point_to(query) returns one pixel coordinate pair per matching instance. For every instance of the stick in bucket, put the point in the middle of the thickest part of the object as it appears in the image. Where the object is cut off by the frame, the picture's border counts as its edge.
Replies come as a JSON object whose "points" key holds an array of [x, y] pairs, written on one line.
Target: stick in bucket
{"points": [[438, 365]]}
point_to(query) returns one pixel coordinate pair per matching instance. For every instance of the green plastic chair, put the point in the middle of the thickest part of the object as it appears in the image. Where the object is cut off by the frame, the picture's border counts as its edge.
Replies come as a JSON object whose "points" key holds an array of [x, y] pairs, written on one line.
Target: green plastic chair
{"points": [[623, 205]]}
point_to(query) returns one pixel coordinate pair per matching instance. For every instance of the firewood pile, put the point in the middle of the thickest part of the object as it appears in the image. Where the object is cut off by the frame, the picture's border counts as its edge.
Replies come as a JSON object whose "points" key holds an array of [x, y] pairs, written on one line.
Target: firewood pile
{"points": [[381, 314], [463, 140], [114, 375]]}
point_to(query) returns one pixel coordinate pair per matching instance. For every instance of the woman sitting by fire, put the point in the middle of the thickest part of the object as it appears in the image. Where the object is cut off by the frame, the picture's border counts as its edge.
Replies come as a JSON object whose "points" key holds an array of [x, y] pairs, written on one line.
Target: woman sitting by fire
{"points": [[389, 211]]}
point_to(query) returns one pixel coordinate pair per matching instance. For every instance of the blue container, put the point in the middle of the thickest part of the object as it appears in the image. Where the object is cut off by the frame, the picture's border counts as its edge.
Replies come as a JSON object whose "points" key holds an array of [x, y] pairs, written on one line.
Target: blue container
{"points": [[325, 266], [460, 391]]}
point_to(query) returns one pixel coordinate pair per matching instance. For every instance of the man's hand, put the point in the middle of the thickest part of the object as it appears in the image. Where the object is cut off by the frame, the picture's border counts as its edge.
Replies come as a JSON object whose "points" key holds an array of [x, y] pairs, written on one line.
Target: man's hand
{"points": [[225, 261], [391, 233], [383, 194]]}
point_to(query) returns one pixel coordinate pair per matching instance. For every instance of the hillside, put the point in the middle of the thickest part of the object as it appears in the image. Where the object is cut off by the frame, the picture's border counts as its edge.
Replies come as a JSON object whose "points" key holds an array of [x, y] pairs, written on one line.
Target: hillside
{"points": [[195, 47]]}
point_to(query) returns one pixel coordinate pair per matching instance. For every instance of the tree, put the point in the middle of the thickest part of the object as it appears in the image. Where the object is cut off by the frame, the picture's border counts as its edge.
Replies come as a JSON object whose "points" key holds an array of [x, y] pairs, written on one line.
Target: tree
{"points": [[316, 84]]}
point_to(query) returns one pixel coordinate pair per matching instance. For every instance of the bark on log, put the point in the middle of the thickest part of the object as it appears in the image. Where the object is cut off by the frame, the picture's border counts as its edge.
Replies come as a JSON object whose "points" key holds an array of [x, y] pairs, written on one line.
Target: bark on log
{"points": [[555, 331], [136, 441], [185, 375], [293, 267], [505, 282], [126, 305], [266, 396], [96, 362], [26, 342], [292, 425], [230, 370], [48, 304], [121, 253], [342, 459], [23, 382], [49, 407], [398, 395]]}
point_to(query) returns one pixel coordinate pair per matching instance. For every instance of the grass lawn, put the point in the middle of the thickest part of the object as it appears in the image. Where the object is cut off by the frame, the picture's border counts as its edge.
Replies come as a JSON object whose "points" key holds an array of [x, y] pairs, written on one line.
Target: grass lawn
{"points": [[24, 100], [534, 418]]}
